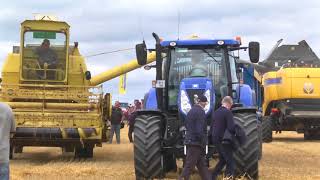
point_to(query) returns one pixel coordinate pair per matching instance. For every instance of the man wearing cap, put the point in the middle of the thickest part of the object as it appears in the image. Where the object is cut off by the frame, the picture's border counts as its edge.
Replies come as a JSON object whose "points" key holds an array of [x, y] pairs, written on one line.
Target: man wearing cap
{"points": [[196, 140], [222, 121]]}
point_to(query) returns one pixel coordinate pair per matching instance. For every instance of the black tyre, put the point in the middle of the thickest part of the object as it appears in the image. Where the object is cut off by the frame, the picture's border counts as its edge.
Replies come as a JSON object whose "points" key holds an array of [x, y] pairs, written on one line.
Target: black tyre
{"points": [[84, 152], [311, 135], [267, 129], [307, 135], [247, 156], [147, 147], [260, 139]]}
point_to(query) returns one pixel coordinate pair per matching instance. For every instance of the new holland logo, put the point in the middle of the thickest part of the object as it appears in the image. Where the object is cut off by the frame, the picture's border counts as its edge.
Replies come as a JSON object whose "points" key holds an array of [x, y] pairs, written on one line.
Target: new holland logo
{"points": [[308, 88]]}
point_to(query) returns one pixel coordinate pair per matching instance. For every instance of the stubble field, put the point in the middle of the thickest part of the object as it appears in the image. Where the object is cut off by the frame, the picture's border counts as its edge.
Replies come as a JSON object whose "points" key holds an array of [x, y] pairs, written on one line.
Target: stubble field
{"points": [[287, 157]]}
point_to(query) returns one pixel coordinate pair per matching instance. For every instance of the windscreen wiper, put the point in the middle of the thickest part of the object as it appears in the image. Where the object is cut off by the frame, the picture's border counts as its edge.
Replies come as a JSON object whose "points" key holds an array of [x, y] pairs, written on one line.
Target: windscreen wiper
{"points": [[211, 56]]}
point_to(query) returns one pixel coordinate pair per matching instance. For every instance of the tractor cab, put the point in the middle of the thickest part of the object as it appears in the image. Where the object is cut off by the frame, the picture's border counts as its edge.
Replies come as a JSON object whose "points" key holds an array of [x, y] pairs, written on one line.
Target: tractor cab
{"points": [[199, 67], [44, 51]]}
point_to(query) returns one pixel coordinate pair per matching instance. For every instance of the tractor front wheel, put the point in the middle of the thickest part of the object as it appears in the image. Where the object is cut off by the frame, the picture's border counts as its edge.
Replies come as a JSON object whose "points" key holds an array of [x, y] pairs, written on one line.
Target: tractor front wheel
{"points": [[148, 160], [247, 156]]}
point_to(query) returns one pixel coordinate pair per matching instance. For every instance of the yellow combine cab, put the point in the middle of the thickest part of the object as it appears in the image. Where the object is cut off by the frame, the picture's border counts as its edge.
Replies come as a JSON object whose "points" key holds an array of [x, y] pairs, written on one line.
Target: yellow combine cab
{"points": [[292, 96], [55, 101]]}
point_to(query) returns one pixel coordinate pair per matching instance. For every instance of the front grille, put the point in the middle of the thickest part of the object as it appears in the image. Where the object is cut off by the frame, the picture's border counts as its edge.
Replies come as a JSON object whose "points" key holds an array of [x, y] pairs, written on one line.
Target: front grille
{"points": [[192, 92]]}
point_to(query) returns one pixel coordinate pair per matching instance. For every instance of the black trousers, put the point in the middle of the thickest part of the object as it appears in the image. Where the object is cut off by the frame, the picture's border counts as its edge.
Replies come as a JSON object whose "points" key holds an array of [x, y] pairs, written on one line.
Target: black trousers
{"points": [[195, 157], [130, 133], [225, 158]]}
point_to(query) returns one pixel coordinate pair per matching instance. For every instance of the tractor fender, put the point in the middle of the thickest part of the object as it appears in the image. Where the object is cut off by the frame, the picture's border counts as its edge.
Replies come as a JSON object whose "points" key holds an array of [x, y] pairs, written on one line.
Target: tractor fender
{"points": [[150, 112], [244, 110]]}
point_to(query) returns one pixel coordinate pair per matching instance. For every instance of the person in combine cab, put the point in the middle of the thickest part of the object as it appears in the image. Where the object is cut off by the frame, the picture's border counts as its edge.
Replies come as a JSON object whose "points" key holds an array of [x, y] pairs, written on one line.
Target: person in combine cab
{"points": [[196, 140], [46, 56], [222, 121], [7, 128], [116, 119]]}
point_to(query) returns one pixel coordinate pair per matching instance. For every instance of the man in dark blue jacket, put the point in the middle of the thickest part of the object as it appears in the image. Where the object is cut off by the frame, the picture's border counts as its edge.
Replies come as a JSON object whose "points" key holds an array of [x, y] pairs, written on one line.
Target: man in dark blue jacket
{"points": [[222, 121], [196, 140]]}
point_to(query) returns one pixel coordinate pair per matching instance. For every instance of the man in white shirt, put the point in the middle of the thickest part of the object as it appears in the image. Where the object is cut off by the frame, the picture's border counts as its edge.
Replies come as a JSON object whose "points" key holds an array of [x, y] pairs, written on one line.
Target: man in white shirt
{"points": [[7, 127]]}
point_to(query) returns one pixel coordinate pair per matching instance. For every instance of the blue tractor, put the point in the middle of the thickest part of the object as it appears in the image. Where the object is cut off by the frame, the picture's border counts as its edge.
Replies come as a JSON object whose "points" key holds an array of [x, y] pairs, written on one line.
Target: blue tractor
{"points": [[184, 70]]}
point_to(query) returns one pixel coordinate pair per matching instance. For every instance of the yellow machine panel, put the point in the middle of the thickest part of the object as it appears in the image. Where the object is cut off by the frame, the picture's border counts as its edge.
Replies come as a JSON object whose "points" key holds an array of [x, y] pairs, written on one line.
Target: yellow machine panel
{"points": [[291, 83]]}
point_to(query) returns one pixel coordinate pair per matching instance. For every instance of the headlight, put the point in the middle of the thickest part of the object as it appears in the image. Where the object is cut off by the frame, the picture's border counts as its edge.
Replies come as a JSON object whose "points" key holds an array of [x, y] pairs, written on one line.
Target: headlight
{"points": [[185, 103], [207, 95]]}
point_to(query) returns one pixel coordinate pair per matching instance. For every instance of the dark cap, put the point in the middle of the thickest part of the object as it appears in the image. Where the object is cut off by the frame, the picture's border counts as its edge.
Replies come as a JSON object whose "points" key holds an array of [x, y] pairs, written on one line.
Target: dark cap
{"points": [[202, 98]]}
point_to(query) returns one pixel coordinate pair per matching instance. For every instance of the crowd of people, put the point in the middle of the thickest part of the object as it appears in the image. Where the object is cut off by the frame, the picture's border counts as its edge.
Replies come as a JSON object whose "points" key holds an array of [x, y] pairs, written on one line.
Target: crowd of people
{"points": [[222, 131], [118, 117], [222, 128]]}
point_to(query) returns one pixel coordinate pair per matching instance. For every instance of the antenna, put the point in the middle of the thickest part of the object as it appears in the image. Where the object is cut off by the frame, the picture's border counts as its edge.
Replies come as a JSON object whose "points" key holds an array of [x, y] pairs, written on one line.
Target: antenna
{"points": [[47, 17], [178, 24], [108, 52]]}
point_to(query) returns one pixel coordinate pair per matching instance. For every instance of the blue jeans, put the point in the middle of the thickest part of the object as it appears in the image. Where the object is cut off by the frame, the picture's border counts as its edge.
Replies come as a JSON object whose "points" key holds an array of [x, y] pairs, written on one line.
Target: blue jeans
{"points": [[4, 171], [115, 128], [225, 159]]}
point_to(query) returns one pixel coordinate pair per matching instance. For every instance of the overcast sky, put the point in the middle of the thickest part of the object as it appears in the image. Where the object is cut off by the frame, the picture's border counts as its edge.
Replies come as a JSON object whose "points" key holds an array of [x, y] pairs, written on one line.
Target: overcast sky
{"points": [[101, 26]]}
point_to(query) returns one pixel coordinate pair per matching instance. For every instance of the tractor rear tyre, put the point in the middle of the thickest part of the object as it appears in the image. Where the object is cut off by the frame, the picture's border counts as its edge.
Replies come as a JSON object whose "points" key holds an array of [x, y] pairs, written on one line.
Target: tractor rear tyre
{"points": [[247, 156], [148, 160], [267, 129]]}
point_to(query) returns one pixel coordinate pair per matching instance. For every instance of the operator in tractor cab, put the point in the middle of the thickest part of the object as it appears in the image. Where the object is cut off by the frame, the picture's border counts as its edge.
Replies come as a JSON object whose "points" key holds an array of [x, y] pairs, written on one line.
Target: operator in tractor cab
{"points": [[222, 121], [196, 140], [199, 68]]}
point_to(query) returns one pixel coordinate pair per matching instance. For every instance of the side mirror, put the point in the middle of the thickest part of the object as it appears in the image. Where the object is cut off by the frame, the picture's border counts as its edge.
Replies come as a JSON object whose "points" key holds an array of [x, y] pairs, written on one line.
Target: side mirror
{"points": [[87, 75], [141, 52], [254, 51]]}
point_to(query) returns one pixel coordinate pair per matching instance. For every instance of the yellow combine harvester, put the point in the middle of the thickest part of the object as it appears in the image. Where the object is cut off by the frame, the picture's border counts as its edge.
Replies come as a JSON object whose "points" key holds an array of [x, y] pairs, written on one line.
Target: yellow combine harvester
{"points": [[291, 100], [55, 101]]}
